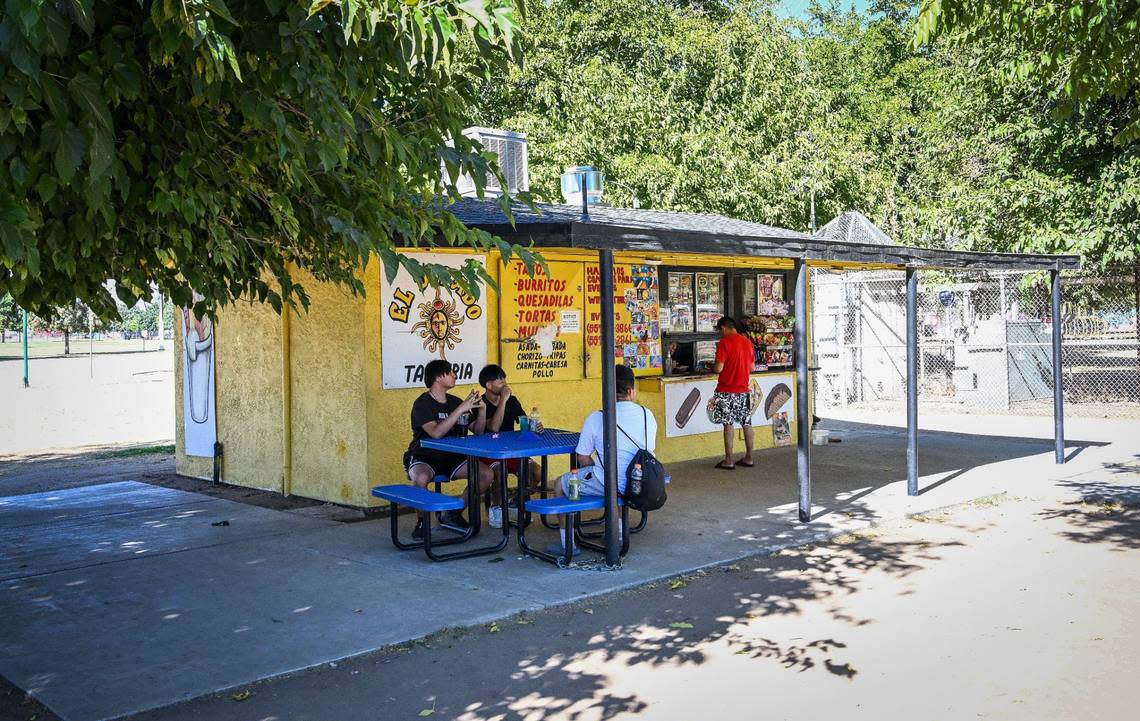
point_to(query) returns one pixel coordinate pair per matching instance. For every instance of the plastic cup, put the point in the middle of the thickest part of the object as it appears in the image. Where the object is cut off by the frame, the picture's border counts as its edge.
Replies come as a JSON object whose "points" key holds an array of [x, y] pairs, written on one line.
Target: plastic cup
{"points": [[524, 424]]}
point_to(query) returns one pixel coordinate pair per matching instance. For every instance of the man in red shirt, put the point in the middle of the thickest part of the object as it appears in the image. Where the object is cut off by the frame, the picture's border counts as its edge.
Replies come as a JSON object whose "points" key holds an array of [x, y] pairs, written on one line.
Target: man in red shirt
{"points": [[732, 403]]}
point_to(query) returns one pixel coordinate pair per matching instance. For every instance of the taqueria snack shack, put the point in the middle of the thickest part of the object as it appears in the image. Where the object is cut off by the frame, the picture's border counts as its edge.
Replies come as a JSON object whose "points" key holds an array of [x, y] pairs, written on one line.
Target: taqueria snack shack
{"points": [[317, 404]]}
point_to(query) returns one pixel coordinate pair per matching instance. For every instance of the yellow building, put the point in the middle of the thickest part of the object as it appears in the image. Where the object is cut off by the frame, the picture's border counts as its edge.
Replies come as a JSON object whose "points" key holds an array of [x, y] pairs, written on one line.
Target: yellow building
{"points": [[317, 404]]}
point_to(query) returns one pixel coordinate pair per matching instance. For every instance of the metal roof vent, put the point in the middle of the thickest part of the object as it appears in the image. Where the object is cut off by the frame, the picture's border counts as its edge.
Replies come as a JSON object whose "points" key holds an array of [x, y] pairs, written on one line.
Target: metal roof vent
{"points": [[510, 148], [854, 227], [572, 184]]}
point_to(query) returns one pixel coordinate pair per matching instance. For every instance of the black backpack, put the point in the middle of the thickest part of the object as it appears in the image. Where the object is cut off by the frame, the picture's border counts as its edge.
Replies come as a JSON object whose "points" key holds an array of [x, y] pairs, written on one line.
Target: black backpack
{"points": [[651, 495]]}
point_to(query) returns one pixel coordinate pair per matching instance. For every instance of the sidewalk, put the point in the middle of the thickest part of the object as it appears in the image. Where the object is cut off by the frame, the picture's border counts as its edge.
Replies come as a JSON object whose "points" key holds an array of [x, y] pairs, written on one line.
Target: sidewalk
{"points": [[123, 597]]}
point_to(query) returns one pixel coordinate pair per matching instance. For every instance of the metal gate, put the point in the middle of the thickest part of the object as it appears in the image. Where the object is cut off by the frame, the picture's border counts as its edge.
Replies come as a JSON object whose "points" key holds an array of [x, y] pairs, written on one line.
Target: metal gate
{"points": [[1029, 344]]}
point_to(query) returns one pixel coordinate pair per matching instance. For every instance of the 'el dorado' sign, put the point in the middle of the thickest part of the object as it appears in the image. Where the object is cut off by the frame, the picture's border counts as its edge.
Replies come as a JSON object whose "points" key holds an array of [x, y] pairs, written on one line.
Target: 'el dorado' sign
{"points": [[421, 324]]}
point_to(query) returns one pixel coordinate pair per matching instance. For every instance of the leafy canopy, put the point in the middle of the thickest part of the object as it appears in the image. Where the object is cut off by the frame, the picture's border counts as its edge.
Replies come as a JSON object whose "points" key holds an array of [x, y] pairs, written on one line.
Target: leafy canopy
{"points": [[1080, 50], [725, 107], [220, 146]]}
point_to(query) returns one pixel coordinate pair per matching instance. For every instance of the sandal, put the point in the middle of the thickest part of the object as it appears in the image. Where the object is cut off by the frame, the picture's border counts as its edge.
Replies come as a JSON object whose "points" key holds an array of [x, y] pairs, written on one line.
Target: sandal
{"points": [[746, 465], [723, 467]]}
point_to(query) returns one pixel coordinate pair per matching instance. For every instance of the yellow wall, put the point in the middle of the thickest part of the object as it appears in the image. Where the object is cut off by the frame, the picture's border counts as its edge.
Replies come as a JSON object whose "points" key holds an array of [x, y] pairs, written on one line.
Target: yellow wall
{"points": [[329, 408], [247, 361], [348, 432]]}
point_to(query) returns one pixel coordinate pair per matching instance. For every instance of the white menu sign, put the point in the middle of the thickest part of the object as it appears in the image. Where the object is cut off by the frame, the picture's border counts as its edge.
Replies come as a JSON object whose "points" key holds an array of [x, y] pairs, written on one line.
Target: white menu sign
{"points": [[419, 325], [688, 404]]}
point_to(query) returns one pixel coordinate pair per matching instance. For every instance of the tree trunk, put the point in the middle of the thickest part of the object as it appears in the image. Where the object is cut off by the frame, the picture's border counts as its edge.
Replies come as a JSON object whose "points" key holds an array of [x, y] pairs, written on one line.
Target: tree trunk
{"points": [[66, 343]]}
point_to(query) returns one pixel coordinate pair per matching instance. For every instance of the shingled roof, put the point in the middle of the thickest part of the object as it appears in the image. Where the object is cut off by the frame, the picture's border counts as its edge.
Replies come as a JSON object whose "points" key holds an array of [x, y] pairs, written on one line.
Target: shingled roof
{"points": [[486, 213], [658, 231]]}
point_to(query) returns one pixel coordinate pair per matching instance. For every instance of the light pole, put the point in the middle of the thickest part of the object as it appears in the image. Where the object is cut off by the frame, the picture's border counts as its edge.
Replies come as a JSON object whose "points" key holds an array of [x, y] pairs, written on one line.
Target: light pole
{"points": [[25, 349], [806, 184], [632, 192], [811, 221], [805, 142], [161, 322]]}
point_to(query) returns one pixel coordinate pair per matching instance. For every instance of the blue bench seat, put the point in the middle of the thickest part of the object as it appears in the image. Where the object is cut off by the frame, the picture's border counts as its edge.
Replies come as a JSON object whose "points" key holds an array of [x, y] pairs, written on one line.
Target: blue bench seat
{"points": [[425, 501], [573, 509], [550, 506], [420, 499]]}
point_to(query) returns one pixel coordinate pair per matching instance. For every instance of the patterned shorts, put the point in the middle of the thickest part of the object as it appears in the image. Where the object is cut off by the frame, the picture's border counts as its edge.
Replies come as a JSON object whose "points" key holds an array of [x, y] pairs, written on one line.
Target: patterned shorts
{"points": [[731, 409]]}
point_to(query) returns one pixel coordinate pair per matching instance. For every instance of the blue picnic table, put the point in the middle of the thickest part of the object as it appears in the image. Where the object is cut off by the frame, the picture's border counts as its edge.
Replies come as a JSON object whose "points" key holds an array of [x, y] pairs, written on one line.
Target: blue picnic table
{"points": [[523, 445], [504, 446]]}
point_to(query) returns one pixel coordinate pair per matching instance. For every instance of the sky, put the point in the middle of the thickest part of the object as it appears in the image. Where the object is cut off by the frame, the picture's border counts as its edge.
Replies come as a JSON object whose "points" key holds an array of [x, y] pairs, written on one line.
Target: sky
{"points": [[794, 8]]}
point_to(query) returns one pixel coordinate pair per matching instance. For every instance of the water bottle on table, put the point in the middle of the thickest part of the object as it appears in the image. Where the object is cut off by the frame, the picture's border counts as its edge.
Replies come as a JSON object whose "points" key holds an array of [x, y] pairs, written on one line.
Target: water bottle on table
{"points": [[535, 420]]}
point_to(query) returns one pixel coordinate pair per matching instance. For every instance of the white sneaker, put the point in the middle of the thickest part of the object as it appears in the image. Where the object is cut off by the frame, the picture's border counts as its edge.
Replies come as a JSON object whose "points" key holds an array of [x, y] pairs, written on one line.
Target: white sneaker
{"points": [[495, 517]]}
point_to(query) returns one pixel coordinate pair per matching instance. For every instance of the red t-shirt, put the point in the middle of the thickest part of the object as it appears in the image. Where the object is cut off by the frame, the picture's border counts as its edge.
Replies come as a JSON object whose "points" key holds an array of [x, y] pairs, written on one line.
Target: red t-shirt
{"points": [[736, 353]]}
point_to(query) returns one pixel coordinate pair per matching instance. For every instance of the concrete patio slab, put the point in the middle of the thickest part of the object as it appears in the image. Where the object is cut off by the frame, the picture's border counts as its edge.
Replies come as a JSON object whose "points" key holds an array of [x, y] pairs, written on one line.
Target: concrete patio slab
{"points": [[102, 500], [172, 525], [117, 634]]}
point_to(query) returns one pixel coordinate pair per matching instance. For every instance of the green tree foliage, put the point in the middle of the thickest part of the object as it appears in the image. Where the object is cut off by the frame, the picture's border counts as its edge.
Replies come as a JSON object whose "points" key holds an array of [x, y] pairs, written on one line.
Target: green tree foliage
{"points": [[143, 316], [726, 108], [11, 315], [74, 317], [1080, 50], [221, 145], [695, 106], [1001, 171]]}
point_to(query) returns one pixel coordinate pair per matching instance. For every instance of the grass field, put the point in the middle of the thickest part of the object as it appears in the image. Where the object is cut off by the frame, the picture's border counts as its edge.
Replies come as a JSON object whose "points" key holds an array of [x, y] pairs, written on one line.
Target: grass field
{"points": [[11, 350]]}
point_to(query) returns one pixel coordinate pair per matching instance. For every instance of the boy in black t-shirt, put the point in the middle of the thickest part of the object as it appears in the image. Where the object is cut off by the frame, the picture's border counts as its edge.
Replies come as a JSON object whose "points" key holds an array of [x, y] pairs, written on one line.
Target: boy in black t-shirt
{"points": [[436, 414], [503, 412]]}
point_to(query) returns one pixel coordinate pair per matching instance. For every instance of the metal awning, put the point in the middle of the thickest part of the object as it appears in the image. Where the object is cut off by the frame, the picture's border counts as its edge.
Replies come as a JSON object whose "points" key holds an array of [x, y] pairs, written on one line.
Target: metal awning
{"points": [[607, 230]]}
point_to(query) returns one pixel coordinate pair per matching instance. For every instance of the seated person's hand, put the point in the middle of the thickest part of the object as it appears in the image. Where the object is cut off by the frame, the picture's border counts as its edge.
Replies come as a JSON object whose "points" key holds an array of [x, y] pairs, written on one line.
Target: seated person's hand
{"points": [[538, 427], [473, 400]]}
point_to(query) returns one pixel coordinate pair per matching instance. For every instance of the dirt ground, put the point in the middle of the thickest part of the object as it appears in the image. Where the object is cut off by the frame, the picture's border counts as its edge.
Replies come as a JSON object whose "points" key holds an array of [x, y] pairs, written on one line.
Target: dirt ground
{"points": [[78, 401], [1004, 607]]}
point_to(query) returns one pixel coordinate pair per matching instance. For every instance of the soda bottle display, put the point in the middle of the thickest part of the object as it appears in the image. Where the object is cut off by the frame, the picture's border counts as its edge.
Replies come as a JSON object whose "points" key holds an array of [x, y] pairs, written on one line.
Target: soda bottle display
{"points": [[573, 485], [635, 480]]}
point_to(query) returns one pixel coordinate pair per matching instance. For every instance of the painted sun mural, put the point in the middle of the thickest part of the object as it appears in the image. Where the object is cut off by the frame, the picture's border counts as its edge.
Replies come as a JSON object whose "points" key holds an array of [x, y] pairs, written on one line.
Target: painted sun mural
{"points": [[439, 325]]}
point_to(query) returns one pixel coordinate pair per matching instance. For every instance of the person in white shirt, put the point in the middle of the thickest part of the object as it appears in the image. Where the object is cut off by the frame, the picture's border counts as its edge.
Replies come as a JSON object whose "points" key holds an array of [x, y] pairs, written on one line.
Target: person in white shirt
{"points": [[637, 429]]}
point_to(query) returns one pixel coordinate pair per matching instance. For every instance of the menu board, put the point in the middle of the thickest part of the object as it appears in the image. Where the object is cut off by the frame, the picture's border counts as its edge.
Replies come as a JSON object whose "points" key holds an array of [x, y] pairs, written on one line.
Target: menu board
{"points": [[540, 328], [710, 300], [680, 303], [637, 324]]}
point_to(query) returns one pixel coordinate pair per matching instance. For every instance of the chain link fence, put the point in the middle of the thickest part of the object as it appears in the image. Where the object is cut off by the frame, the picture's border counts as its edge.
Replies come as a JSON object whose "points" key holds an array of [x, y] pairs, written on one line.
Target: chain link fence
{"points": [[985, 342]]}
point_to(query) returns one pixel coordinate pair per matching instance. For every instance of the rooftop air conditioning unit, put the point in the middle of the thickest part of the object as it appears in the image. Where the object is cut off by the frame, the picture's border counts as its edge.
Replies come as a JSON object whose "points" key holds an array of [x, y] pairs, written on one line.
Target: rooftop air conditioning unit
{"points": [[511, 151]]}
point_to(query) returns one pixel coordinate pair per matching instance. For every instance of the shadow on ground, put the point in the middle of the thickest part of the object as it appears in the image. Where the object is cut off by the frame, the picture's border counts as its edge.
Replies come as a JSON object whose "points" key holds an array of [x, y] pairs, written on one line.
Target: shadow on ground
{"points": [[604, 642], [712, 517], [1104, 513]]}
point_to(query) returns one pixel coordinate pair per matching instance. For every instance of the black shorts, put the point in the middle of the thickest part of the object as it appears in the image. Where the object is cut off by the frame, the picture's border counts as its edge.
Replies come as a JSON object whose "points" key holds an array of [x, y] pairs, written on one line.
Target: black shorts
{"points": [[441, 463]]}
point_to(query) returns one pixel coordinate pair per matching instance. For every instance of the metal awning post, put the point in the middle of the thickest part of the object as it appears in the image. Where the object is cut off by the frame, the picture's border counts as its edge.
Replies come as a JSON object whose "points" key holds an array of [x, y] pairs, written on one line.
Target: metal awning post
{"points": [[803, 411], [609, 407], [911, 381], [1058, 386]]}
